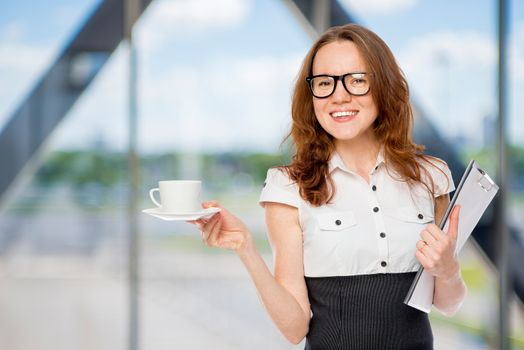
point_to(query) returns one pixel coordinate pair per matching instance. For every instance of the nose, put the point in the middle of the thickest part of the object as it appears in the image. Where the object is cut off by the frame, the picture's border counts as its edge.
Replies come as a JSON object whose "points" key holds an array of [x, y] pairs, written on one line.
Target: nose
{"points": [[340, 94]]}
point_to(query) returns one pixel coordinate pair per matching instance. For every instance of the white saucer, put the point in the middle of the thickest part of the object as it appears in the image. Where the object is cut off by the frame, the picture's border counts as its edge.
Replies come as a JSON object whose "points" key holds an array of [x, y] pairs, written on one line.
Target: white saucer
{"points": [[203, 214]]}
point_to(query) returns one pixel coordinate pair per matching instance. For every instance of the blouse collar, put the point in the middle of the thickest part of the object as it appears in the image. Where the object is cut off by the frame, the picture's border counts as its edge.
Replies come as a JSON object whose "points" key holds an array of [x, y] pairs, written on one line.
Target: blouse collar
{"points": [[337, 162]]}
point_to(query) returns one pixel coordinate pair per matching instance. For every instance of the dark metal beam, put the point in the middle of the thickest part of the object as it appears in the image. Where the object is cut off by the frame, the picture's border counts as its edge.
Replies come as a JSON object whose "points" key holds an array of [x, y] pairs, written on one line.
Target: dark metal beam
{"points": [[502, 255], [59, 88], [132, 13]]}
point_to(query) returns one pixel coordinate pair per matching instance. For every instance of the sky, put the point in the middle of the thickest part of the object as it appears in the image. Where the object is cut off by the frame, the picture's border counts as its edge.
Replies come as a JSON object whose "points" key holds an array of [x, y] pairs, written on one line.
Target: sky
{"points": [[217, 75]]}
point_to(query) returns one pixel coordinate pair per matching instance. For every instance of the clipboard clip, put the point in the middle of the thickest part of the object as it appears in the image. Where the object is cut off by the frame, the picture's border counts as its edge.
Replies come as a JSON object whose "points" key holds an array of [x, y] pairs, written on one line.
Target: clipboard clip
{"points": [[485, 181]]}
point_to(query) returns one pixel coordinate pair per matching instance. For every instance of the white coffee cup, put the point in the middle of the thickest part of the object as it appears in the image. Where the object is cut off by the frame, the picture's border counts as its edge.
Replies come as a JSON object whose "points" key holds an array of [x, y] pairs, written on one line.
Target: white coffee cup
{"points": [[178, 196]]}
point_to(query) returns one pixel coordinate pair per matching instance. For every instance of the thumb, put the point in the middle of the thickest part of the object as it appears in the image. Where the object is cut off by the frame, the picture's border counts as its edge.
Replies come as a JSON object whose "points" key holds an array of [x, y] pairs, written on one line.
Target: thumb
{"points": [[453, 222]]}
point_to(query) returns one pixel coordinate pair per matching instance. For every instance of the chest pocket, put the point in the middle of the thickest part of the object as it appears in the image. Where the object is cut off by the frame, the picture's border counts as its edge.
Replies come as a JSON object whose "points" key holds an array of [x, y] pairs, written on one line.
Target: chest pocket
{"points": [[405, 223], [336, 221], [328, 230]]}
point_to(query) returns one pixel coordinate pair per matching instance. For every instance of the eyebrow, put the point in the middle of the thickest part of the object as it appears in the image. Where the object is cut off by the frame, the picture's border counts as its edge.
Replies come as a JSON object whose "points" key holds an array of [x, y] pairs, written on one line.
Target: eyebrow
{"points": [[353, 72]]}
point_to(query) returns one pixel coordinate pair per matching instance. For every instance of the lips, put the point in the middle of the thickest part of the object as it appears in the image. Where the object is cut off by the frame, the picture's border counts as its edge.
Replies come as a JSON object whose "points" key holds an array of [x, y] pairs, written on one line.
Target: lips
{"points": [[341, 116]]}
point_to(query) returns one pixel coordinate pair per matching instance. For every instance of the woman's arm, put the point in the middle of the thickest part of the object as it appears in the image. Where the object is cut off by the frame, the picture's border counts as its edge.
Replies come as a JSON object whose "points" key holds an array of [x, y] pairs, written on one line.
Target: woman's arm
{"points": [[436, 252], [284, 295]]}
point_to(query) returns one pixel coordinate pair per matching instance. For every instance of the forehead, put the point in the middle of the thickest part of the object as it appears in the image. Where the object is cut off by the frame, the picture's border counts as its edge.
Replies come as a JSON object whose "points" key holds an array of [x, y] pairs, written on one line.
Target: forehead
{"points": [[337, 58]]}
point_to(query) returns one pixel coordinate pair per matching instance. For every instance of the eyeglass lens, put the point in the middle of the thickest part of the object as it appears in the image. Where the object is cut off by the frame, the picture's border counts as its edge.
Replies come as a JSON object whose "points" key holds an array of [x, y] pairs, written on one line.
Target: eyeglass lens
{"points": [[355, 83]]}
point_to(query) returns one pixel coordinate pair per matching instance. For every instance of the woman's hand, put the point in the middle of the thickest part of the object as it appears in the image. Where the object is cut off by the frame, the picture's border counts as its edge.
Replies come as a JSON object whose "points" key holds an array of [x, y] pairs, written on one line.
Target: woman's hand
{"points": [[224, 230], [436, 249]]}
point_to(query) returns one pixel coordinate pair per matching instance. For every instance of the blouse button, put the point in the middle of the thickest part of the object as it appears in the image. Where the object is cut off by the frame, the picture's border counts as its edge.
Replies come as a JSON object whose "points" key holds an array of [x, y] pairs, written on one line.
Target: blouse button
{"points": [[383, 264], [338, 222], [375, 209], [420, 216], [374, 188], [382, 234]]}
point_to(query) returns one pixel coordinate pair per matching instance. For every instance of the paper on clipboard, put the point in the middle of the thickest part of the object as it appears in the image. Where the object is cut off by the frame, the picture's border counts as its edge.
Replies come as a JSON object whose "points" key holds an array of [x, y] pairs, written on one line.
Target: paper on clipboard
{"points": [[474, 193]]}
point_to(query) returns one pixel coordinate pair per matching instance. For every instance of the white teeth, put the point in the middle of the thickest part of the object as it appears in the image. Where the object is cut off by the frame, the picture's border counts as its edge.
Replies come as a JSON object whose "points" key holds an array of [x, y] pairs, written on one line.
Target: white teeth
{"points": [[343, 114]]}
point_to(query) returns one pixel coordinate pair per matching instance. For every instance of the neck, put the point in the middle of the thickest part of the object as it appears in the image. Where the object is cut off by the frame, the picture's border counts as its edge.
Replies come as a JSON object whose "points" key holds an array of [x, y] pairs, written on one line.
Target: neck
{"points": [[359, 155]]}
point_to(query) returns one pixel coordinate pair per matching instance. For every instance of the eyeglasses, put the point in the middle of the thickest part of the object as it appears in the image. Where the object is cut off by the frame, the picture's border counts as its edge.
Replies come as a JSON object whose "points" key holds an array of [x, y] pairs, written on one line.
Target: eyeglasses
{"points": [[323, 85]]}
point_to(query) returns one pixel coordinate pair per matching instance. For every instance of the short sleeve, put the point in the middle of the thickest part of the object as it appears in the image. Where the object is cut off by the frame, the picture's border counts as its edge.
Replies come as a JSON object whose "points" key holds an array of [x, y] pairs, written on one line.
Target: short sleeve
{"points": [[279, 188], [441, 176]]}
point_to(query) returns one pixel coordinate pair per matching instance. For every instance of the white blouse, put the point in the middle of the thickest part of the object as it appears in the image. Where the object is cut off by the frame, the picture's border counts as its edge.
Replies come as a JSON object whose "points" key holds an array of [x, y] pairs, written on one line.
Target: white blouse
{"points": [[366, 228]]}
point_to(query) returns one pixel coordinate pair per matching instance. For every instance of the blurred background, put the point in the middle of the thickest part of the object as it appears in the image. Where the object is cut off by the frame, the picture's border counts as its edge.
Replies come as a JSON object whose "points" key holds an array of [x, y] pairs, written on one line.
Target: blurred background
{"points": [[213, 83]]}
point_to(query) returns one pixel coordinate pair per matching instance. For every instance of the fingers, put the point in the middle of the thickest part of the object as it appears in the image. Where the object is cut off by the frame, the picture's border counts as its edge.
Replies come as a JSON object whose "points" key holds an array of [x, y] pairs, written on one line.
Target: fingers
{"points": [[426, 262], [428, 237], [210, 230], [431, 253], [198, 223], [453, 222], [437, 239], [212, 238], [428, 256], [436, 249], [209, 204], [421, 244], [210, 227]]}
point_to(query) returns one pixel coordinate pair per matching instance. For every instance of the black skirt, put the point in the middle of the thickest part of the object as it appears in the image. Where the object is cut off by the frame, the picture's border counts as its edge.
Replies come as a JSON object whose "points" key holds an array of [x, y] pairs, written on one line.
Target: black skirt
{"points": [[365, 312]]}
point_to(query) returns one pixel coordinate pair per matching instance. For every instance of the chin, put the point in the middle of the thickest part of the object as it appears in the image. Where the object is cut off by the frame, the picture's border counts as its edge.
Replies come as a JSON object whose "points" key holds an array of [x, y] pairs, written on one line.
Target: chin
{"points": [[343, 136]]}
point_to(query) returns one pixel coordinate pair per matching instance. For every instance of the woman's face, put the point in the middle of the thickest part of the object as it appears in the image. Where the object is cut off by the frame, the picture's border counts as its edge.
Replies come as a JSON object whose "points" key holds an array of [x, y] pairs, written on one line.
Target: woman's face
{"points": [[343, 116]]}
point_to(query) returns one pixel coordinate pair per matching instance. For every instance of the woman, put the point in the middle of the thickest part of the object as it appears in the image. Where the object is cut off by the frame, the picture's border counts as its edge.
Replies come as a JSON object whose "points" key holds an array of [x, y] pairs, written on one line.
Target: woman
{"points": [[352, 217]]}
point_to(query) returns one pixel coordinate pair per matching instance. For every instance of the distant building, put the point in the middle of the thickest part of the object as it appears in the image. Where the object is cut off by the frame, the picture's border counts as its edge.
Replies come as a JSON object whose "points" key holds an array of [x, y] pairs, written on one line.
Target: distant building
{"points": [[489, 123], [459, 140]]}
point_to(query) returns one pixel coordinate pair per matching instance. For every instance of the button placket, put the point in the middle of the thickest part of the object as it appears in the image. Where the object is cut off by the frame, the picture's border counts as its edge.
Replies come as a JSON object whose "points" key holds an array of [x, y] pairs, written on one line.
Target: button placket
{"points": [[380, 229]]}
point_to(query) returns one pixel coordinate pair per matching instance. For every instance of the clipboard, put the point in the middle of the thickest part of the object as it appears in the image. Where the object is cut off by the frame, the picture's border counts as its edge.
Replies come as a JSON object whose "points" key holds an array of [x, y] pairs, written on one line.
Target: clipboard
{"points": [[474, 193]]}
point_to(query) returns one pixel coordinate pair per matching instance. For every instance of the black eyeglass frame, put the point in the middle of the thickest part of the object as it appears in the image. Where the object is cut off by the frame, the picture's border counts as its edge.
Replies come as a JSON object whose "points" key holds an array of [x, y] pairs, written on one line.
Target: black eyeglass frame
{"points": [[309, 81]]}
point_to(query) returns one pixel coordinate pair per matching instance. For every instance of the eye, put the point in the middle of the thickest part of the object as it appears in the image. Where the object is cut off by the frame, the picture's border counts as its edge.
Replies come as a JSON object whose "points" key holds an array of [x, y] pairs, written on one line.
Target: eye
{"points": [[323, 82], [358, 81]]}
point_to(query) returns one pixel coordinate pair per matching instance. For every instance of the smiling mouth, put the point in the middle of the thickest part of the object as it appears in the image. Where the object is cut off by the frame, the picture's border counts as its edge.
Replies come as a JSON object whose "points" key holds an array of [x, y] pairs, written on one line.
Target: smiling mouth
{"points": [[345, 114]]}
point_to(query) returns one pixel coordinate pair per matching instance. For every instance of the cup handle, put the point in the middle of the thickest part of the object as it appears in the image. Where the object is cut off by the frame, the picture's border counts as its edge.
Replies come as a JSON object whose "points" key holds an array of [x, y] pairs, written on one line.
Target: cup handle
{"points": [[152, 196]]}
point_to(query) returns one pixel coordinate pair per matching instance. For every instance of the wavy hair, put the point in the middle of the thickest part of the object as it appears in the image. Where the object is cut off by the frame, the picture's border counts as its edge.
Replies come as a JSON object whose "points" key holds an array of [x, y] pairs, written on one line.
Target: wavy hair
{"points": [[313, 146]]}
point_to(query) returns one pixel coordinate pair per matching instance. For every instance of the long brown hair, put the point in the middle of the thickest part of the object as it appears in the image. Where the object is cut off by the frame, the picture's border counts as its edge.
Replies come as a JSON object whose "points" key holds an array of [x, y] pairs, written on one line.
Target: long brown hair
{"points": [[313, 146]]}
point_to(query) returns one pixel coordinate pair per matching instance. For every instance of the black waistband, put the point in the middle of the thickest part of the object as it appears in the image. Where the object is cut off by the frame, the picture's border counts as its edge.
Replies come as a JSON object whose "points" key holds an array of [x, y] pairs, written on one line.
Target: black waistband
{"points": [[365, 312]]}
